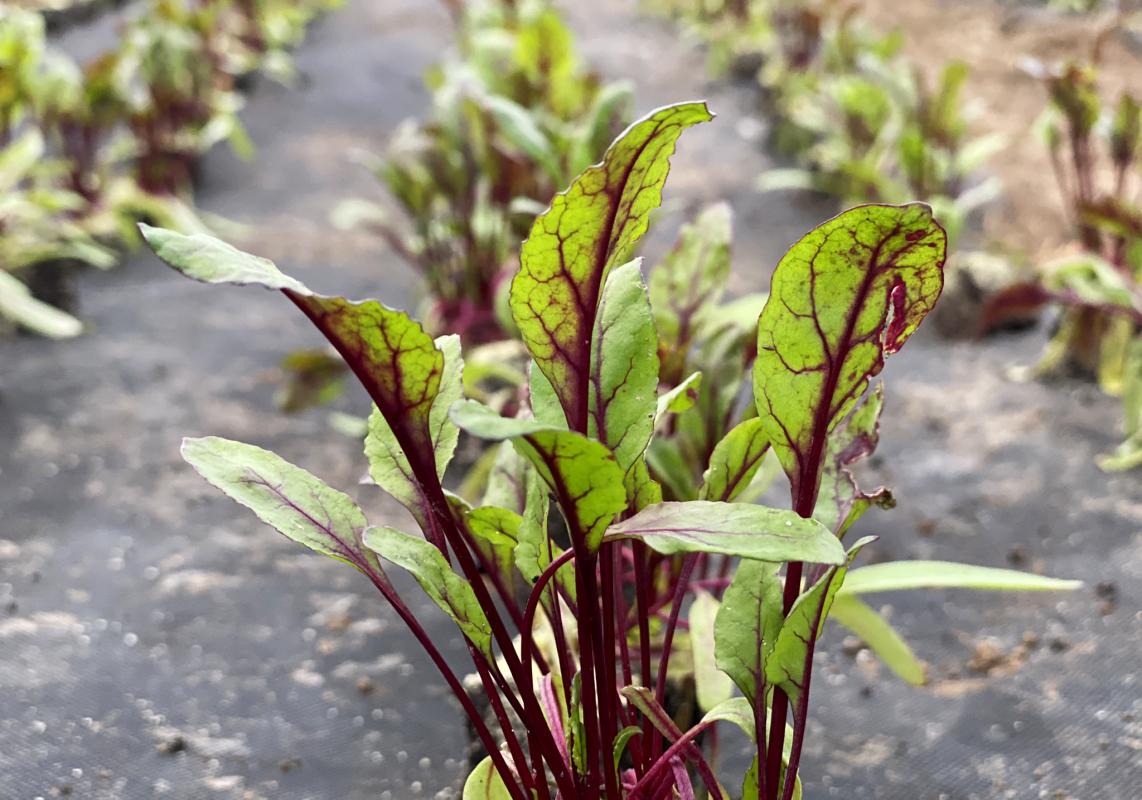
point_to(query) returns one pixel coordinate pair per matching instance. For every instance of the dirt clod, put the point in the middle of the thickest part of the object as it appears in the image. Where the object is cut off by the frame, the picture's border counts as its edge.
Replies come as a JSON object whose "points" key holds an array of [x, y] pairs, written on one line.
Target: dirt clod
{"points": [[289, 764], [172, 745]]}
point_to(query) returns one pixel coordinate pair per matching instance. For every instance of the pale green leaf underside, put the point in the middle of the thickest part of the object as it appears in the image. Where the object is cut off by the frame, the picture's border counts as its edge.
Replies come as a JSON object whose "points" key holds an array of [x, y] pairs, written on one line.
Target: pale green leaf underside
{"points": [[452, 593], [893, 576], [739, 711], [211, 260], [713, 686], [391, 354], [737, 529], [287, 498]]}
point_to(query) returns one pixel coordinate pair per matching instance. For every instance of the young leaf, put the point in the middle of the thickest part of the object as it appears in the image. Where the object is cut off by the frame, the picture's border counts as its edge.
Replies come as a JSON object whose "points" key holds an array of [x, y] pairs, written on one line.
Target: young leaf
{"points": [[485, 783], [713, 686], [735, 529], [881, 638], [841, 502], [690, 279], [747, 625], [893, 576], [681, 398], [843, 298], [508, 480], [622, 739], [735, 461], [581, 473], [624, 367], [644, 700], [739, 711], [452, 593], [590, 228], [798, 635], [287, 498]]}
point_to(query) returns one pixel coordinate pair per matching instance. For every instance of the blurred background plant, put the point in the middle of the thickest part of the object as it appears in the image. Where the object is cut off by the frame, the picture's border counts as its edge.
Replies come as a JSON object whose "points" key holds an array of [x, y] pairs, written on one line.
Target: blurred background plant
{"points": [[90, 150], [1094, 149], [516, 114], [860, 122], [856, 118], [706, 348]]}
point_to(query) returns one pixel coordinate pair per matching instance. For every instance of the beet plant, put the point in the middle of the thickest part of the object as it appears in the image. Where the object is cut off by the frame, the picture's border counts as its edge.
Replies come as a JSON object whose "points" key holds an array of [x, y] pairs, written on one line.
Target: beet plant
{"points": [[1094, 151], [572, 635]]}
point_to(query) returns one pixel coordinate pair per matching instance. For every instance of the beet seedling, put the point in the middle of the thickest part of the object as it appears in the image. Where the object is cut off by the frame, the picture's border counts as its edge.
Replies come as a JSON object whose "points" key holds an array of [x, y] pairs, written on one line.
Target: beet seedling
{"points": [[574, 639]]}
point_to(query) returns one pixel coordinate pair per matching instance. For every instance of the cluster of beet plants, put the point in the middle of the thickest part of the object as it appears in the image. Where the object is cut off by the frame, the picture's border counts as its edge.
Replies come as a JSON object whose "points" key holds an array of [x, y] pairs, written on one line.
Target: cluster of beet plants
{"points": [[576, 623], [88, 150], [1094, 146]]}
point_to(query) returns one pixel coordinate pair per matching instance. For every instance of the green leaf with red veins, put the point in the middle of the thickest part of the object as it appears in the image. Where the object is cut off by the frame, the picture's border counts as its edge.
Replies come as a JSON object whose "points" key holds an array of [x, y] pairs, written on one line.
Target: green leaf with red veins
{"points": [[642, 489], [732, 529], [624, 367], [843, 298], [389, 467], [544, 403], [394, 358], [687, 284], [497, 531], [735, 461], [451, 592], [793, 650], [747, 625], [582, 473], [590, 228], [841, 502], [287, 498]]}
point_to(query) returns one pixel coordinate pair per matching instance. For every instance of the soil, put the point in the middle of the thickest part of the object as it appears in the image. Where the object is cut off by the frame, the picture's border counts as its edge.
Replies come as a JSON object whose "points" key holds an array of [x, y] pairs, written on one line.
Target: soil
{"points": [[997, 40], [157, 641]]}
